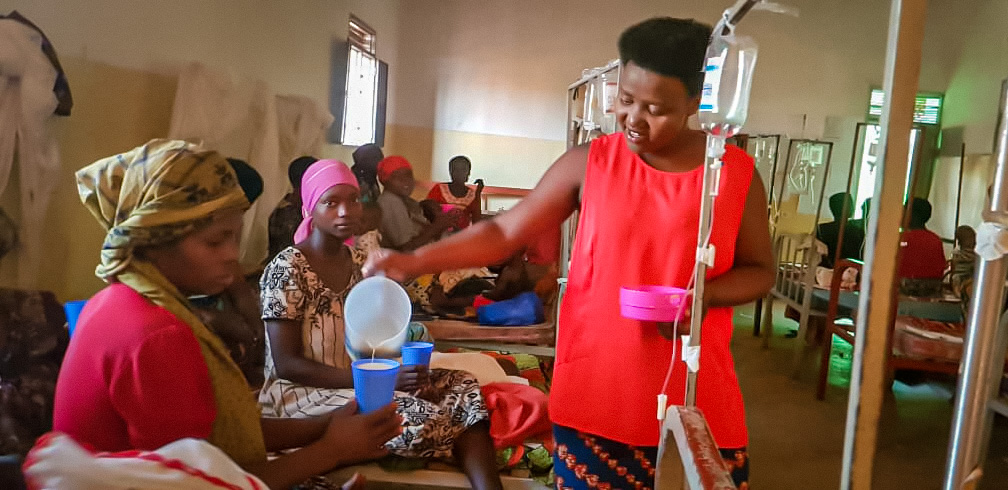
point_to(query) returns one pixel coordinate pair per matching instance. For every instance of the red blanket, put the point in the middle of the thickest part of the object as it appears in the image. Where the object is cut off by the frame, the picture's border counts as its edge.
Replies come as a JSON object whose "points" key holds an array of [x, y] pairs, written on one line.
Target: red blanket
{"points": [[517, 412]]}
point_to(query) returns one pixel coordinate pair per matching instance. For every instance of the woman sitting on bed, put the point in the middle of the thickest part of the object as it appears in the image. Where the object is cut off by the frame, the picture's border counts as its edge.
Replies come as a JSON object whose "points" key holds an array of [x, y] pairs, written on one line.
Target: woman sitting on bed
{"points": [[142, 370], [307, 364]]}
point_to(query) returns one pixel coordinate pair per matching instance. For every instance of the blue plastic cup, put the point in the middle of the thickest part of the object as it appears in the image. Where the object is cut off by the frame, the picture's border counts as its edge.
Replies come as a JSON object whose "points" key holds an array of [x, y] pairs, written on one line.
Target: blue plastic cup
{"points": [[73, 310], [374, 382], [416, 353]]}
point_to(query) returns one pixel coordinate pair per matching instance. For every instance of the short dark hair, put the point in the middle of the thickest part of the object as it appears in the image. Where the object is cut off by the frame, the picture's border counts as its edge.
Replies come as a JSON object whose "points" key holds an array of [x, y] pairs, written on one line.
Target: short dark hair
{"points": [[669, 47], [836, 204], [248, 178], [456, 160], [965, 233], [920, 212], [297, 168], [368, 155]]}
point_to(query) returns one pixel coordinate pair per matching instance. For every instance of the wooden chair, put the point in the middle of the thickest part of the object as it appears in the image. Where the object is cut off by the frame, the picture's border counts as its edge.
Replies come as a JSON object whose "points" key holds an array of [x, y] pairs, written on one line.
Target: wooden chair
{"points": [[842, 327]]}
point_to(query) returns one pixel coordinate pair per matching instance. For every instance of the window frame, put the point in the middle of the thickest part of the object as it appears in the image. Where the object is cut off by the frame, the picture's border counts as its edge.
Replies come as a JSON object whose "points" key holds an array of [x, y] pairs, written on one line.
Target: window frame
{"points": [[357, 72]]}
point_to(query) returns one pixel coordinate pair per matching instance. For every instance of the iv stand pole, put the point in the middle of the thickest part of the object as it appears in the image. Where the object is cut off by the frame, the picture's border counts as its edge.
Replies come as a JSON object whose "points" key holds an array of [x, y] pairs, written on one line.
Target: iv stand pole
{"points": [[711, 179], [983, 354]]}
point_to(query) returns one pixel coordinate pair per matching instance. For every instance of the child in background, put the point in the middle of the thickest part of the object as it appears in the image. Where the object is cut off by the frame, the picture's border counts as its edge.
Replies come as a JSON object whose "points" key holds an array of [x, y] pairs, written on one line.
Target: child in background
{"points": [[829, 233], [303, 291], [604, 420], [962, 265]]}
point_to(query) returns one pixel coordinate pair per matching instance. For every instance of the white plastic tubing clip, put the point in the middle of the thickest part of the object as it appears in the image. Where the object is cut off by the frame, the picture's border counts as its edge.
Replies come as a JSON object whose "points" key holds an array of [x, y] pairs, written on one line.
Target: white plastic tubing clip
{"points": [[716, 168], [662, 405], [706, 255], [690, 355]]}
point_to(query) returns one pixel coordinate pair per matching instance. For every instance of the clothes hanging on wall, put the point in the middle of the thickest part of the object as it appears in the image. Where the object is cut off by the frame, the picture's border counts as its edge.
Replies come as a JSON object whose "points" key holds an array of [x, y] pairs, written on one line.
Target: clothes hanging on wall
{"points": [[27, 107], [62, 86], [302, 124], [242, 118]]}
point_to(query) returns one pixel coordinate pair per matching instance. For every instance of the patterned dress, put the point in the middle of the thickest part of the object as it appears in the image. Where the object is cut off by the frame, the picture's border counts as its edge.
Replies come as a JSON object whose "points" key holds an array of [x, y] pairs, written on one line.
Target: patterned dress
{"points": [[442, 193], [432, 416]]}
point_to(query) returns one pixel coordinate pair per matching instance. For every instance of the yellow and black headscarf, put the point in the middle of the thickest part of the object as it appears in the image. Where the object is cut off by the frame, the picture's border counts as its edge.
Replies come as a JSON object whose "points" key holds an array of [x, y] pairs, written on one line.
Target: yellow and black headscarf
{"points": [[152, 195]]}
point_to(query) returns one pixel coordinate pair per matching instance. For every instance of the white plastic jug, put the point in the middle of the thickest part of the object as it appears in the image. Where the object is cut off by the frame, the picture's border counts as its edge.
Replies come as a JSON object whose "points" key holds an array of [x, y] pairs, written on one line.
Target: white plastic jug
{"points": [[377, 314]]}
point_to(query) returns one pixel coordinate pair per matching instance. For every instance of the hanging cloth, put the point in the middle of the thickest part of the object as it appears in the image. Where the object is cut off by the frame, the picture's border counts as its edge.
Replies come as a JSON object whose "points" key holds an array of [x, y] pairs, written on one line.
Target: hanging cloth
{"points": [[27, 105], [62, 86], [242, 118]]}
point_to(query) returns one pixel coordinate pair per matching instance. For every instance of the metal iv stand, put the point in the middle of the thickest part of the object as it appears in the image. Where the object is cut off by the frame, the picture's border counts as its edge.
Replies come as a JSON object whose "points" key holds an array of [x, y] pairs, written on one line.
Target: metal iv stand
{"points": [[986, 338], [687, 453], [705, 254]]}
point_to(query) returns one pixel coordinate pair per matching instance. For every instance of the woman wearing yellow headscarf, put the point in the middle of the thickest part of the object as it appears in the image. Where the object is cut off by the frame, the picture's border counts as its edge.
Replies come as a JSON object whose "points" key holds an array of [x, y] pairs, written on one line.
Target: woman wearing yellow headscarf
{"points": [[142, 370]]}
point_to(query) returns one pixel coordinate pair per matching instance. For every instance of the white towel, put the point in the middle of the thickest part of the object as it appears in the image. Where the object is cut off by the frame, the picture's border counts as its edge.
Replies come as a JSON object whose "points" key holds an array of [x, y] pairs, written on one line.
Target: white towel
{"points": [[991, 241], [58, 462]]}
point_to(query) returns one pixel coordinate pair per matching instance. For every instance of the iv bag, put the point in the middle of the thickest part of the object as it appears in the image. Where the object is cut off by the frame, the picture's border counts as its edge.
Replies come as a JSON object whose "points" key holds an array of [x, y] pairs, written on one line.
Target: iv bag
{"points": [[608, 84], [728, 69]]}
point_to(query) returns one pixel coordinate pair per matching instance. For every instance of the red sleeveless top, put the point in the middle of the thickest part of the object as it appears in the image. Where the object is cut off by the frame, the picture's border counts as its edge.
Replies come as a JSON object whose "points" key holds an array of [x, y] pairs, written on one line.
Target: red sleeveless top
{"points": [[638, 226]]}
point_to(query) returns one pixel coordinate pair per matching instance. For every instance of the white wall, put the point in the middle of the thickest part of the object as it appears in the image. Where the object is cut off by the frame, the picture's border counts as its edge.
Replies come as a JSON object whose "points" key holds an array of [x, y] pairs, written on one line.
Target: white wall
{"points": [[970, 114], [972, 97], [501, 68], [484, 78], [978, 173], [122, 58], [286, 44]]}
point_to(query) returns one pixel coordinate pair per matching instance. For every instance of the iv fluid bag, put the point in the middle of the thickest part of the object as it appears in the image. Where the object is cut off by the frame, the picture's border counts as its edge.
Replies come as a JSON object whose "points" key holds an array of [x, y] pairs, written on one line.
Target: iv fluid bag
{"points": [[728, 69]]}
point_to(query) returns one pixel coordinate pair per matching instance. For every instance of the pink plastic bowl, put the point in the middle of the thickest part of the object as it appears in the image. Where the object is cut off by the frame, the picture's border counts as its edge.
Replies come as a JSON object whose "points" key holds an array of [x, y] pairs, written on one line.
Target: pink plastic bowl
{"points": [[652, 303]]}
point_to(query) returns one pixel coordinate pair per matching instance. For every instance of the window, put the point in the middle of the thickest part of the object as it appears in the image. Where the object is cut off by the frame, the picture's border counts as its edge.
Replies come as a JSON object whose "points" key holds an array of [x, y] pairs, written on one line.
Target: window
{"points": [[927, 107], [359, 103], [868, 140]]}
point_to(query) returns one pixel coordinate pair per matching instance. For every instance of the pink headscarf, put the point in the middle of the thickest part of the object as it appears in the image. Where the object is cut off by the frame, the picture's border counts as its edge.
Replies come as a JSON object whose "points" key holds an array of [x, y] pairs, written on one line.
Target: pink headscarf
{"points": [[320, 177]]}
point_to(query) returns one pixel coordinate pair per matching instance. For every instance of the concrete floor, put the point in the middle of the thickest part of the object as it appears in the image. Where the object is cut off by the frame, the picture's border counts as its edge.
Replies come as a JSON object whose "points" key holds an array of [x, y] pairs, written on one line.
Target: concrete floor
{"points": [[796, 441]]}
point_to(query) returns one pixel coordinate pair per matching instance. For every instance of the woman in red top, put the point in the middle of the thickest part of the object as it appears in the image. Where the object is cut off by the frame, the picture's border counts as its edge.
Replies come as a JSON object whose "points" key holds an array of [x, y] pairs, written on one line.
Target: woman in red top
{"points": [[609, 369], [457, 194], [142, 370]]}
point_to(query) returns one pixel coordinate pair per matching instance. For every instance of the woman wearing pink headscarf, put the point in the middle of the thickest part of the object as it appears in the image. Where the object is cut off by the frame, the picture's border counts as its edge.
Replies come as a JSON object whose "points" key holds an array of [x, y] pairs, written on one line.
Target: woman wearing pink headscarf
{"points": [[303, 290]]}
